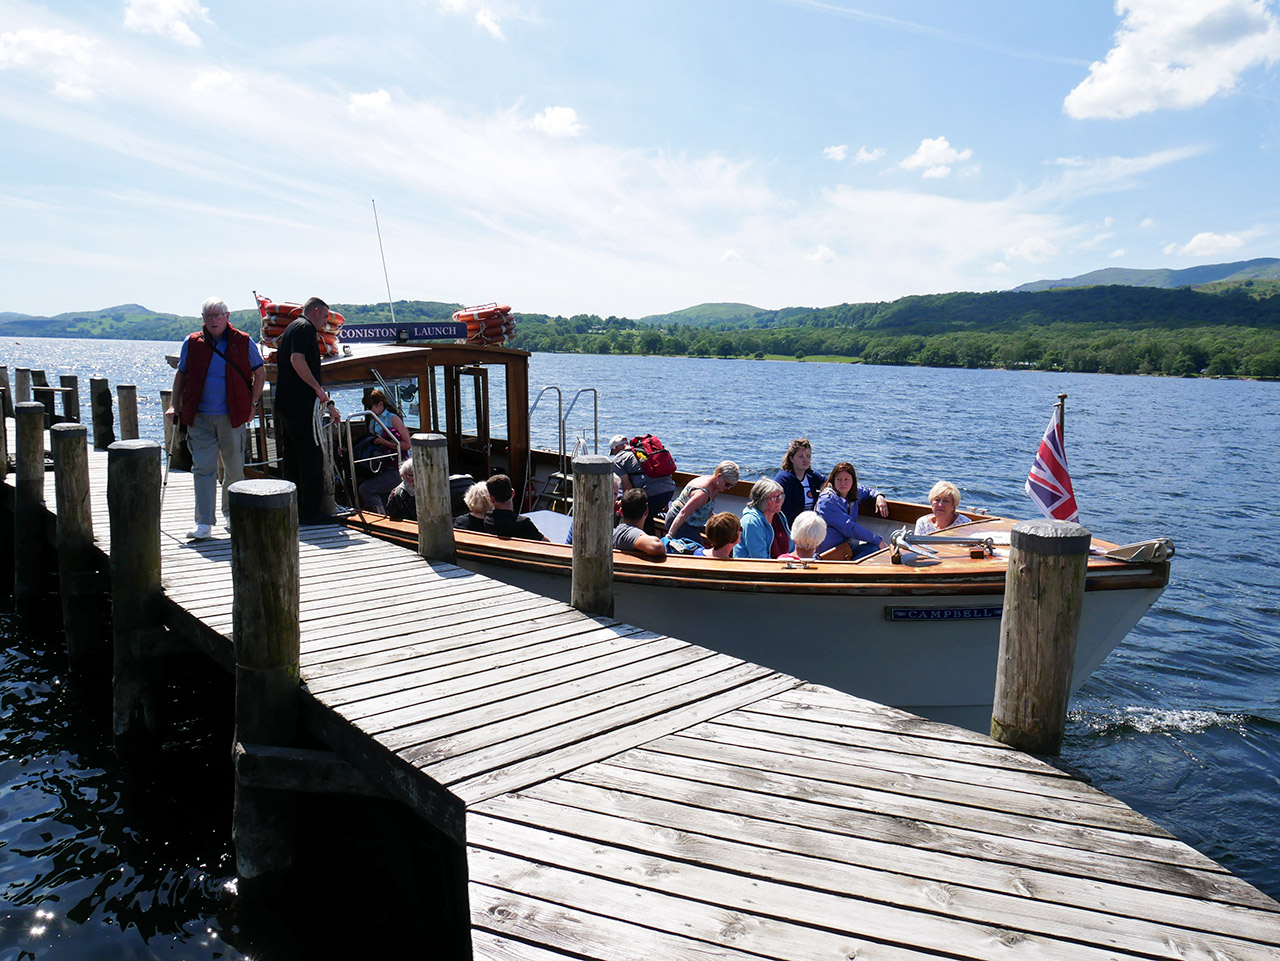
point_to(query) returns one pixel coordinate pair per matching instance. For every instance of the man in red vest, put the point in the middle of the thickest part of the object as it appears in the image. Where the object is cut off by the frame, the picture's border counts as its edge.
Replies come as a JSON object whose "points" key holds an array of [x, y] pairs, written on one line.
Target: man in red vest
{"points": [[215, 393]]}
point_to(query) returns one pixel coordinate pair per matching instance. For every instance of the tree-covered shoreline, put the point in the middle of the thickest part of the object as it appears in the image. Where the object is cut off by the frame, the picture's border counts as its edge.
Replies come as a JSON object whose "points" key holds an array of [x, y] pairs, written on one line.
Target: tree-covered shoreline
{"points": [[1224, 329]]}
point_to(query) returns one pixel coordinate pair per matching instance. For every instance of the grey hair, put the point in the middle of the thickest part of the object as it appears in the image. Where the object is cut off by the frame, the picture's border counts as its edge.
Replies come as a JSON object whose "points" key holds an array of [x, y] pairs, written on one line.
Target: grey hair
{"points": [[213, 303], [478, 499], [406, 470], [808, 530], [761, 490]]}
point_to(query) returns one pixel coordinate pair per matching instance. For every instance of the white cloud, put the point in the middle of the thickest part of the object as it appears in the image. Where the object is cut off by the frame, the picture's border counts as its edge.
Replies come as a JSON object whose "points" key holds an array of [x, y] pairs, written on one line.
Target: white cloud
{"points": [[999, 267], [865, 156], [730, 257], [215, 81], [823, 254], [835, 153], [370, 105], [1175, 54], [167, 18], [485, 16], [1147, 222], [1205, 244], [1116, 253], [936, 156], [62, 57], [1034, 250], [557, 122]]}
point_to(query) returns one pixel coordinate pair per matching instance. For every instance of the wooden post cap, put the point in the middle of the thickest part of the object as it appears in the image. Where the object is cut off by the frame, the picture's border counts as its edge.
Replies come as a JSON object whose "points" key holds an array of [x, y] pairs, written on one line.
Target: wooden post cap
{"points": [[261, 494], [68, 431], [133, 448], [592, 464], [1050, 538], [428, 440]]}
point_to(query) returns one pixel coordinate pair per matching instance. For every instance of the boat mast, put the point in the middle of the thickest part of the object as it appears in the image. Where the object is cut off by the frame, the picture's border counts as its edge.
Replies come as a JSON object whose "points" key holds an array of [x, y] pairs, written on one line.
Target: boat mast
{"points": [[390, 302]]}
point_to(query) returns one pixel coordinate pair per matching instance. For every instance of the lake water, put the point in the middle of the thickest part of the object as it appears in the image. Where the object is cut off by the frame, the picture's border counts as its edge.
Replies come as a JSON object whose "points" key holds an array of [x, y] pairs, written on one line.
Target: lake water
{"points": [[1182, 721]]}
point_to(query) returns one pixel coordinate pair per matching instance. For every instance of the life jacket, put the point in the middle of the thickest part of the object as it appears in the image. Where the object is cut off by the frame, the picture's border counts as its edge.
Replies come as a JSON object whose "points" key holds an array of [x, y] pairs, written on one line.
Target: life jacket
{"points": [[239, 393]]}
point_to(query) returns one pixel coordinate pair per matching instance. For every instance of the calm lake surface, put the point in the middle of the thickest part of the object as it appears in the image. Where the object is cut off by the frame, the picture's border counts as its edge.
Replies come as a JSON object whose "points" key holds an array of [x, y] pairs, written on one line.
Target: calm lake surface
{"points": [[1182, 721]]}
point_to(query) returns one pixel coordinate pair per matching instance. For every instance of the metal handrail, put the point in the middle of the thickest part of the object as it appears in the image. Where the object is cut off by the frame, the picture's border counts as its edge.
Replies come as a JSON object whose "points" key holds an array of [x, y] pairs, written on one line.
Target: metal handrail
{"points": [[595, 396], [559, 421]]}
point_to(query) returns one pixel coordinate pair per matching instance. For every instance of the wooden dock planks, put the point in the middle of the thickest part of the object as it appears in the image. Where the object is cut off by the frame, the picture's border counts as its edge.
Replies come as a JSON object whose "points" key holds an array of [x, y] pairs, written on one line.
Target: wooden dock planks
{"points": [[627, 795]]}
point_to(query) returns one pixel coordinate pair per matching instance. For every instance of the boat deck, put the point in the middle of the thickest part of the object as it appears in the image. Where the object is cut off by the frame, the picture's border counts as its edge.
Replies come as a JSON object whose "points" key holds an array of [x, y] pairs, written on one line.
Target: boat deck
{"points": [[625, 795]]}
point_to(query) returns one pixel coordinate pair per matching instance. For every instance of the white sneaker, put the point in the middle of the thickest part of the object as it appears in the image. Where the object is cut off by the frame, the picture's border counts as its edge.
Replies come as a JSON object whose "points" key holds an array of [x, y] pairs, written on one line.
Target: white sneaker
{"points": [[199, 532]]}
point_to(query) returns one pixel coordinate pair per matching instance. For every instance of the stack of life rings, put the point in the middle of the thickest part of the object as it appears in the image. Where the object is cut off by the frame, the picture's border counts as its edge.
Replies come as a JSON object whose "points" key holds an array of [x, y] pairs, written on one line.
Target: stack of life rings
{"points": [[487, 325], [276, 317]]}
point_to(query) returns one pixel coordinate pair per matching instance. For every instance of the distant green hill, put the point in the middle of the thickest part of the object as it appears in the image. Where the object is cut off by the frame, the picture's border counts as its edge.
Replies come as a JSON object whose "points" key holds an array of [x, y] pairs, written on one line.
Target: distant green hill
{"points": [[1264, 268], [704, 314]]}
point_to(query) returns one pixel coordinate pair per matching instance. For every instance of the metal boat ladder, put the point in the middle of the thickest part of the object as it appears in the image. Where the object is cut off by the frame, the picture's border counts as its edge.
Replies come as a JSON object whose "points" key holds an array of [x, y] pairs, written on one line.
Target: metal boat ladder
{"points": [[556, 492]]}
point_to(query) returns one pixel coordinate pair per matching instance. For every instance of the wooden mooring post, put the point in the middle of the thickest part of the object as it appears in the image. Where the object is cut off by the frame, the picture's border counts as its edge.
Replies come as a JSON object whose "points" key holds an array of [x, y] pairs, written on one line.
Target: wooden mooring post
{"points": [[104, 434], [29, 543], [1043, 599], [77, 576], [127, 395], [431, 495], [7, 409], [70, 397], [592, 588], [133, 504], [4, 433], [264, 623], [21, 386]]}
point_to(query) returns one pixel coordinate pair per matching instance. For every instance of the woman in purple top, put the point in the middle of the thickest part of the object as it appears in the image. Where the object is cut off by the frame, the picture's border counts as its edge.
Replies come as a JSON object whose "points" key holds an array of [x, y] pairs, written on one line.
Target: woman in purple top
{"points": [[838, 506]]}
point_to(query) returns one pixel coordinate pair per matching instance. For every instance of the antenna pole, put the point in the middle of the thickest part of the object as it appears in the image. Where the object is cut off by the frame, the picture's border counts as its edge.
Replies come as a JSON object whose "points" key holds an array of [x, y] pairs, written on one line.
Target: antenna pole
{"points": [[390, 302]]}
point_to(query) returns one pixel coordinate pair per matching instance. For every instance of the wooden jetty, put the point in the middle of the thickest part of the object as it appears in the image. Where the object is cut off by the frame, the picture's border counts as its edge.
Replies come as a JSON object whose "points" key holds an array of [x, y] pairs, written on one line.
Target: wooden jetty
{"points": [[614, 794]]}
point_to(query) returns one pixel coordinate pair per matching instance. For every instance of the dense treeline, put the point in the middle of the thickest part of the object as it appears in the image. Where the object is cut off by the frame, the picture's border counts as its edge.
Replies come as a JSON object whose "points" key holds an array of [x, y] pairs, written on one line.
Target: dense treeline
{"points": [[1122, 330], [1230, 328]]}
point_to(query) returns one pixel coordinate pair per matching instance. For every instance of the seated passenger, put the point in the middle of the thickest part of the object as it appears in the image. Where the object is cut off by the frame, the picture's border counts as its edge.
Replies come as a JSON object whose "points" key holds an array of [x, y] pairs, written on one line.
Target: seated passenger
{"points": [[838, 506], [723, 532], [688, 513], [808, 532], [629, 535], [765, 532], [401, 505], [503, 519], [800, 483], [389, 436], [479, 503], [944, 498]]}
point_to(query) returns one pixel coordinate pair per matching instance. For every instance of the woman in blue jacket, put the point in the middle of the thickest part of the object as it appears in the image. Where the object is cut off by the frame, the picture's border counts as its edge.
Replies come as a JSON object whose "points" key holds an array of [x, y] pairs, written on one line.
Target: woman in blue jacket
{"points": [[800, 483], [765, 531], [838, 506]]}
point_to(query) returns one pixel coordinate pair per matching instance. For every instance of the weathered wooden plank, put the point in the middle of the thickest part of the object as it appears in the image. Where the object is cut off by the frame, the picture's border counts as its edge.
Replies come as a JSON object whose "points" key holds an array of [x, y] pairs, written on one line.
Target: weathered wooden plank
{"points": [[503, 682], [530, 706], [731, 791], [467, 754], [662, 817], [811, 887], [487, 946], [460, 673], [754, 914]]}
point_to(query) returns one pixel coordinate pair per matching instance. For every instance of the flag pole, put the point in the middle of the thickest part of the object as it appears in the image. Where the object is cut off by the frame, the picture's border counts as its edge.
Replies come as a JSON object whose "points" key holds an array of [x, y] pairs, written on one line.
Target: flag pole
{"points": [[1062, 415]]}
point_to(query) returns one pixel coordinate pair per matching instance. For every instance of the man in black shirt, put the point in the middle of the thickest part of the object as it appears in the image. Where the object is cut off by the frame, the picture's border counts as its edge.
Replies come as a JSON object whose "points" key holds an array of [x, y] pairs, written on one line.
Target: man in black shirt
{"points": [[298, 391], [503, 518]]}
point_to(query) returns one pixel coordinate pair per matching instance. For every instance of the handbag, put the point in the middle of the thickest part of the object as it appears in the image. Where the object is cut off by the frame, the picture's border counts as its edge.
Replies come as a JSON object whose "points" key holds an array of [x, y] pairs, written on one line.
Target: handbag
{"points": [[180, 449], [841, 552]]}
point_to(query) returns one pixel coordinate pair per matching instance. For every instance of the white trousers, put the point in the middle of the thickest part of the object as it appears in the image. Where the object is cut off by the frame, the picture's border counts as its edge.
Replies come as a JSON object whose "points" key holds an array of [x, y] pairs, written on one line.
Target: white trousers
{"points": [[210, 435]]}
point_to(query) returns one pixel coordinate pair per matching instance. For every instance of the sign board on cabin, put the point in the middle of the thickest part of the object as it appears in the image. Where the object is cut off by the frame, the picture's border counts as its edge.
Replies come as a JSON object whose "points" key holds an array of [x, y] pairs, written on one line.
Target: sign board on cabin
{"points": [[400, 333]]}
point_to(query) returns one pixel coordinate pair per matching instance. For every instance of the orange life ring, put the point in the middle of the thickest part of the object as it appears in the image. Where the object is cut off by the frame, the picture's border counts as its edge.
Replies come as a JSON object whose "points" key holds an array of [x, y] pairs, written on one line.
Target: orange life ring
{"points": [[482, 312]]}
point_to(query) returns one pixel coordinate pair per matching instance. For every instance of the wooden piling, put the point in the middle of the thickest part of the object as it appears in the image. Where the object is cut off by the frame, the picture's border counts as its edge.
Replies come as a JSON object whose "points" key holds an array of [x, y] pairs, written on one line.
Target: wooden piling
{"points": [[104, 434], [4, 433], [1044, 595], [21, 386], [431, 494], [166, 398], [76, 575], [127, 395], [29, 543], [264, 623], [7, 409], [43, 394], [592, 588], [133, 504], [70, 397]]}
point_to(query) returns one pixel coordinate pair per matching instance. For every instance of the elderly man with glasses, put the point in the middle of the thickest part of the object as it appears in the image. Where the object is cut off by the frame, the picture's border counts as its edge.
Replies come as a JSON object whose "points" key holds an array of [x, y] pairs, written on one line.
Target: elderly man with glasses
{"points": [[215, 391]]}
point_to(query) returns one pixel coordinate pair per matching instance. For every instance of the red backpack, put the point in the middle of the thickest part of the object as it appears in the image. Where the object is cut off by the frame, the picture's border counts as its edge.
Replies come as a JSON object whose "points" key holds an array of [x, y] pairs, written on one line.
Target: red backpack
{"points": [[655, 460]]}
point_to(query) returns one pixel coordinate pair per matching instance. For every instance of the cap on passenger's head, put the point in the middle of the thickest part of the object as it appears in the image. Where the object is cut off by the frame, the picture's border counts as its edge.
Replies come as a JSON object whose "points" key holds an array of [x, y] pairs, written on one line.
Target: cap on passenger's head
{"points": [[618, 440]]}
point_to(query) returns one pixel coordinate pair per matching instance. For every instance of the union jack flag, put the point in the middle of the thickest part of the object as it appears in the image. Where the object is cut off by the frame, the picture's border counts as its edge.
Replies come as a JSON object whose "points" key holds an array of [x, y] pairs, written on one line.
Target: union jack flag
{"points": [[1049, 484]]}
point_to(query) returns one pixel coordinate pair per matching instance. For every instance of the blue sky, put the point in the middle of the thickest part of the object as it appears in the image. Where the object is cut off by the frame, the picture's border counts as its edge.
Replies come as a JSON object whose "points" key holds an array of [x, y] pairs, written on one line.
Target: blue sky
{"points": [[624, 158]]}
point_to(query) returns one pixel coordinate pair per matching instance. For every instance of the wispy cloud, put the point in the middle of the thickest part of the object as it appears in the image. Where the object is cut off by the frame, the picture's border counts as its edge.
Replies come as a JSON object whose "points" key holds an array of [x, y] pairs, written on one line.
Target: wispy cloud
{"points": [[836, 152], [865, 156], [1205, 244], [484, 14], [169, 18], [557, 122], [65, 58], [1171, 54]]}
